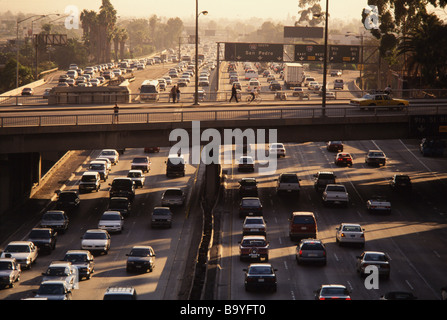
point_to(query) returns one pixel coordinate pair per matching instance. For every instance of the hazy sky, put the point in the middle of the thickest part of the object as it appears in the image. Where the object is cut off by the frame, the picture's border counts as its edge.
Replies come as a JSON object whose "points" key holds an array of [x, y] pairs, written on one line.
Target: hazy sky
{"points": [[263, 9]]}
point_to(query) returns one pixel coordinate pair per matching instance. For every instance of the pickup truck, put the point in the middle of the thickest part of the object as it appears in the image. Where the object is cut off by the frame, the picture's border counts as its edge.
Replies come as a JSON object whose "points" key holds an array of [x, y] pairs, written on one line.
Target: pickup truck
{"points": [[288, 183], [335, 194], [173, 197]]}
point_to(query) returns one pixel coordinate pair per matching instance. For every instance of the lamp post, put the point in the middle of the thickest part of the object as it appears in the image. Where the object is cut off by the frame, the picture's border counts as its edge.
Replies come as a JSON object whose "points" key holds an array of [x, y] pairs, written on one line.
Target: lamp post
{"points": [[323, 104], [17, 45], [196, 76]]}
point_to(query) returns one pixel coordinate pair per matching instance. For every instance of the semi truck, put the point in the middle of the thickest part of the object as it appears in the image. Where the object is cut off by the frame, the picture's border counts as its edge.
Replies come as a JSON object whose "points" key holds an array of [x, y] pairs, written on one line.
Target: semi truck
{"points": [[293, 75]]}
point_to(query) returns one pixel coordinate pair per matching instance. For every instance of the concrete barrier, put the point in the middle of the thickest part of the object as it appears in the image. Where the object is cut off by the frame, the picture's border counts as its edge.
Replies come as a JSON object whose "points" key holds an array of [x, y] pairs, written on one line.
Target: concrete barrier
{"points": [[18, 90], [89, 95]]}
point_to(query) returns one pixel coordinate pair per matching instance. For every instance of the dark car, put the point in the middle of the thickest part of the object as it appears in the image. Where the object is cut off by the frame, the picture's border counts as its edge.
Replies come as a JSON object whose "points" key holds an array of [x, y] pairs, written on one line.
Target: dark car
{"points": [[250, 206], [120, 204], [302, 224], [311, 251], [122, 187], [335, 146], [343, 158], [43, 238], [141, 258], [260, 276], [175, 165], [274, 85], [83, 260], [398, 295], [141, 163], [254, 247], [400, 182], [248, 187], [246, 163], [323, 178], [67, 200]]}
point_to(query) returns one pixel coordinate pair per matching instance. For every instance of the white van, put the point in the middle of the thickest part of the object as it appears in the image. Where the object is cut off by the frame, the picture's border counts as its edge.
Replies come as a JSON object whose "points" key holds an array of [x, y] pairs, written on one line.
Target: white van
{"points": [[149, 90], [254, 84]]}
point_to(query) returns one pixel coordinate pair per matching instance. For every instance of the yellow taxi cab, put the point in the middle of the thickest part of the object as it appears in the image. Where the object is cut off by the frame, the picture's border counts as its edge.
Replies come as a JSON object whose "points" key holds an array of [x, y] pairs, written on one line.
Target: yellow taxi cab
{"points": [[378, 100]]}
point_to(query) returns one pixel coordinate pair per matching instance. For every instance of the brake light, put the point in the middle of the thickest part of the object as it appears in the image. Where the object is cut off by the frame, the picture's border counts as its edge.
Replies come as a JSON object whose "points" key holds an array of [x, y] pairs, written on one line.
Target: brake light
{"points": [[342, 235], [300, 253]]}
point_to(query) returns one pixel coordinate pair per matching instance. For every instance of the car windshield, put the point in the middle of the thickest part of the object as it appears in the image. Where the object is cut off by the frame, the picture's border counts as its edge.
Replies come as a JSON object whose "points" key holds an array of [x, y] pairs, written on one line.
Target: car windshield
{"points": [[326, 176], [140, 252], [97, 166], [175, 161], [53, 216], [402, 178], [303, 219], [173, 192], [248, 183], [376, 154], [67, 196], [56, 271], [254, 221], [312, 246], [374, 257], [122, 183], [289, 178], [39, 234], [110, 216], [95, 235], [250, 203], [134, 174], [107, 153], [163, 212], [6, 265], [16, 248], [260, 270], [51, 289], [352, 228], [336, 188], [75, 257], [253, 243], [88, 178], [139, 160], [334, 291], [367, 96]]}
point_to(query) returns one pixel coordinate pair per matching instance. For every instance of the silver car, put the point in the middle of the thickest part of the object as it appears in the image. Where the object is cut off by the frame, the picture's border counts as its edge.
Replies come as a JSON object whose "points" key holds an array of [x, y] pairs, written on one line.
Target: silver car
{"points": [[374, 258], [63, 271]]}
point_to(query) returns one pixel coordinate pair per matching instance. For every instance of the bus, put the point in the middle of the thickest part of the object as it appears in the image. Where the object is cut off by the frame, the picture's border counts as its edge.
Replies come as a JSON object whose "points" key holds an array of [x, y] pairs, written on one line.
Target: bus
{"points": [[149, 90]]}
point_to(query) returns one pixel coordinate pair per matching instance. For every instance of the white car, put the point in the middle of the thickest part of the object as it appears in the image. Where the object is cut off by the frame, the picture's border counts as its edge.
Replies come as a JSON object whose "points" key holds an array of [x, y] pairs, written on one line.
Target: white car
{"points": [[25, 253], [350, 233], [277, 148], [62, 271], [378, 204], [137, 177], [96, 240], [111, 221], [110, 154], [335, 194]]}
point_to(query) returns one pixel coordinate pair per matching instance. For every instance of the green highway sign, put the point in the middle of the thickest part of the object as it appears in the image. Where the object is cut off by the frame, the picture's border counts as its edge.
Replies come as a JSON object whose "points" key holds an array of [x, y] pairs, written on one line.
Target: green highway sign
{"points": [[254, 52]]}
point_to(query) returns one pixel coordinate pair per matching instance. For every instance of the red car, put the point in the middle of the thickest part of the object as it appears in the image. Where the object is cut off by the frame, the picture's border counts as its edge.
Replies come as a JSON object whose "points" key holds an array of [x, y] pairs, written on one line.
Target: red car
{"points": [[151, 149], [343, 159], [254, 247], [335, 146]]}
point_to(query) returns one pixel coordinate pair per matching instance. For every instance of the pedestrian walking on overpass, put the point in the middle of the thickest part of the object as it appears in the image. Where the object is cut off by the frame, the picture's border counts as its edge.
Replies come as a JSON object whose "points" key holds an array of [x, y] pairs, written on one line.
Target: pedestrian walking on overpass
{"points": [[174, 93], [178, 94], [233, 93], [115, 113]]}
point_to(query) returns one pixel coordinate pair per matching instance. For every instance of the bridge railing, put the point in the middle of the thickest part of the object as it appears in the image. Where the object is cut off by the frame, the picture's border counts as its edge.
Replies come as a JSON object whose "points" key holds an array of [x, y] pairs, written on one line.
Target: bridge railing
{"points": [[154, 116]]}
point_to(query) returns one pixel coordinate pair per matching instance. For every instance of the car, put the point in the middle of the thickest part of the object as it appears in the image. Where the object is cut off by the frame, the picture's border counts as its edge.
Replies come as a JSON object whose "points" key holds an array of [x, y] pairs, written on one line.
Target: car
{"points": [[100, 167], [44, 238], [343, 158], [335, 194], [46, 93], [111, 221], [141, 163], [432, 147], [54, 290], [141, 258], [336, 73], [137, 177], [151, 149], [161, 217], [314, 86], [302, 224], [120, 204], [288, 183], [182, 82], [10, 272], [334, 146], [55, 219], [250, 206], [375, 157], [95, 82], [175, 165], [111, 154], [106, 161], [67, 200], [277, 148], [378, 259], [400, 182], [62, 271], [248, 187], [246, 163], [173, 197], [378, 204], [122, 187], [378, 100], [300, 93], [83, 260], [274, 85], [90, 180], [311, 251], [25, 253], [260, 276], [254, 247], [27, 91], [96, 240], [332, 292], [254, 225], [352, 233], [398, 295], [323, 178], [338, 84], [120, 293]]}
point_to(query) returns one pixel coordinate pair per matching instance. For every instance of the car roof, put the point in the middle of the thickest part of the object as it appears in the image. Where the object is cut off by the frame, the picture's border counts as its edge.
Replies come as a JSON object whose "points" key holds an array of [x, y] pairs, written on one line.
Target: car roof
{"points": [[120, 290], [254, 237], [302, 213], [60, 263], [19, 242]]}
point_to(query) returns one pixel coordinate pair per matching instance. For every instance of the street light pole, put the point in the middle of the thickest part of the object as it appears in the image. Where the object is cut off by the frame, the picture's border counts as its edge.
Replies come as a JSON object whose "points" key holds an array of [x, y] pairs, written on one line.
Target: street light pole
{"points": [[196, 75], [323, 105]]}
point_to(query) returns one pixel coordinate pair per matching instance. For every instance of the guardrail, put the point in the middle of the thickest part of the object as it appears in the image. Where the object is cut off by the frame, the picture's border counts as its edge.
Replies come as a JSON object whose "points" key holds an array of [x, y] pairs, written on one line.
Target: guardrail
{"points": [[213, 115]]}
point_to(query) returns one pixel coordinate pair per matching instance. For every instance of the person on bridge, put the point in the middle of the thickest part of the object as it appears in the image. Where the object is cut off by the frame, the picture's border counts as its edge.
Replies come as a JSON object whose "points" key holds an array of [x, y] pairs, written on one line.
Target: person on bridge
{"points": [[174, 93], [178, 94], [233, 93], [387, 90], [115, 113]]}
